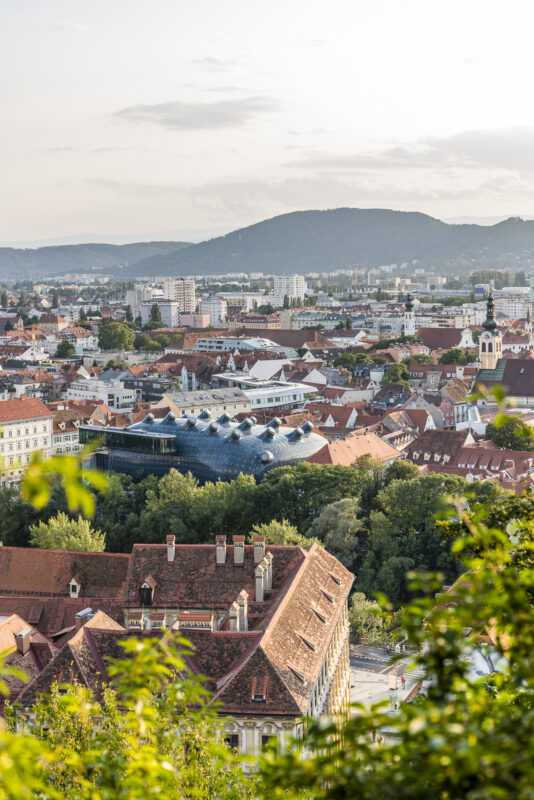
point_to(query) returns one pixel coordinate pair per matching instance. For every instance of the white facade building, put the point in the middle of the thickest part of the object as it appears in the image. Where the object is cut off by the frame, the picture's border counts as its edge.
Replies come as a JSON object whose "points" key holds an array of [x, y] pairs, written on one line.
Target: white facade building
{"points": [[182, 291], [169, 310], [291, 286], [134, 297], [267, 393], [25, 428], [216, 308], [111, 393]]}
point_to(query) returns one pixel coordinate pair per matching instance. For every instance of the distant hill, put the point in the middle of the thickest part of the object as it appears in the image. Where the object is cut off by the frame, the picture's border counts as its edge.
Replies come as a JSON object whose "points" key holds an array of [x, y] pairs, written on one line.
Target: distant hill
{"points": [[306, 241], [34, 263], [303, 241]]}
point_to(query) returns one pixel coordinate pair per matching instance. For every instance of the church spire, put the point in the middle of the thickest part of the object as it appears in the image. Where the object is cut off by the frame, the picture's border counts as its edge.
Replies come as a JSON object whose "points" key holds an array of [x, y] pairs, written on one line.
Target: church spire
{"points": [[489, 323]]}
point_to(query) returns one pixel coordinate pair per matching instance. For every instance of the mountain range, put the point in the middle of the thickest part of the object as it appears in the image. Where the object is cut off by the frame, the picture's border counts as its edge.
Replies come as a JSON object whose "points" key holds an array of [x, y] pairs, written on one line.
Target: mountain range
{"points": [[301, 241]]}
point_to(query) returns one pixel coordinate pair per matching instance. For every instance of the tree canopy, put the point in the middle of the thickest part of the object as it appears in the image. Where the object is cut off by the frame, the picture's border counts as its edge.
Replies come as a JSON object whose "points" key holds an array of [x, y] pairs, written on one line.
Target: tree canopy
{"points": [[511, 434], [63, 533]]}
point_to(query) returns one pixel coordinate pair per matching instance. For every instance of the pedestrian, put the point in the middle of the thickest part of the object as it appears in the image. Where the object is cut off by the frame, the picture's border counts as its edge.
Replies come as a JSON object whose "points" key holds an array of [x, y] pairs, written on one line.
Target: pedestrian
{"points": [[403, 682]]}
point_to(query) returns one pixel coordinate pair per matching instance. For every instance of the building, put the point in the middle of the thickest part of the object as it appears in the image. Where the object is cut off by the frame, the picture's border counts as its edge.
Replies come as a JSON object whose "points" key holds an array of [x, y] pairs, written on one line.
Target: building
{"points": [[409, 318], [113, 393], [25, 428], [134, 297], [169, 310], [269, 624], [281, 395], [292, 287], [211, 449], [490, 342], [217, 309], [214, 401], [65, 438], [182, 291]]}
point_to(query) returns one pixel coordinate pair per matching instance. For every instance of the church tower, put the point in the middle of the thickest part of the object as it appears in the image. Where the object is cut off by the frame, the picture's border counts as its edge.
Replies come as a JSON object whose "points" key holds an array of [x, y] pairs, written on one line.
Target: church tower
{"points": [[490, 342], [409, 318], [528, 328]]}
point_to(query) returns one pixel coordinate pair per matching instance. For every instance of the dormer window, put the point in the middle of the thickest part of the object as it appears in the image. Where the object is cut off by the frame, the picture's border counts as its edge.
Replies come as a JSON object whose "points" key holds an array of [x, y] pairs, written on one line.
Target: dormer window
{"points": [[145, 595], [74, 588]]}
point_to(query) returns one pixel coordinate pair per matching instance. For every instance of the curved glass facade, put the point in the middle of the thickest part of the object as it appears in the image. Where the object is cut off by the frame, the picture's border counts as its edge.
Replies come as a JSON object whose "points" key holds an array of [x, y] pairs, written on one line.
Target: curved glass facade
{"points": [[209, 448]]}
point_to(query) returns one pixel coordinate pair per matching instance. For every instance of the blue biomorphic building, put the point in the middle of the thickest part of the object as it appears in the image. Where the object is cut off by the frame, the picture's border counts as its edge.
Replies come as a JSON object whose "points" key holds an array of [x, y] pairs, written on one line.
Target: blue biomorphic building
{"points": [[209, 448]]}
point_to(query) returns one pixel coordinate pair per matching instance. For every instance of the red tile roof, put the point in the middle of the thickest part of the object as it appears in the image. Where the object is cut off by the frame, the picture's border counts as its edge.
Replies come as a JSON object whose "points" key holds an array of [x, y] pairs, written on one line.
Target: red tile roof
{"points": [[29, 408]]}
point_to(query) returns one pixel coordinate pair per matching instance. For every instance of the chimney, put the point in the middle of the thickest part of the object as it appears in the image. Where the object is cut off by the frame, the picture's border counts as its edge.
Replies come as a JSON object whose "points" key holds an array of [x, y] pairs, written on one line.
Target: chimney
{"points": [[234, 617], [82, 617], [259, 548], [220, 550], [268, 561], [171, 548], [242, 602], [22, 639], [258, 574], [239, 550]]}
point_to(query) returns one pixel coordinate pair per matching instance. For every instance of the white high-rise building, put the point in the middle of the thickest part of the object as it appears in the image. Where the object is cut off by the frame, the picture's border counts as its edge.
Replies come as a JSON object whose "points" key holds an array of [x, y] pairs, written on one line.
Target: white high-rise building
{"points": [[291, 286], [169, 310], [182, 290], [134, 297], [217, 308]]}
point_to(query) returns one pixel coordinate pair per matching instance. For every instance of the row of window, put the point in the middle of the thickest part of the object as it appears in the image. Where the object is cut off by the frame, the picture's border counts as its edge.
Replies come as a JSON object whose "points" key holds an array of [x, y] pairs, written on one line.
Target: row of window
{"points": [[10, 431], [10, 447]]}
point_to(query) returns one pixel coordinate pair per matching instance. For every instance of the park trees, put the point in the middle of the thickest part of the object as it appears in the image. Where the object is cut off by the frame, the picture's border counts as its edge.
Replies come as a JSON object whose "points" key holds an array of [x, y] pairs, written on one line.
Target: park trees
{"points": [[115, 336], [64, 533], [511, 434], [65, 349]]}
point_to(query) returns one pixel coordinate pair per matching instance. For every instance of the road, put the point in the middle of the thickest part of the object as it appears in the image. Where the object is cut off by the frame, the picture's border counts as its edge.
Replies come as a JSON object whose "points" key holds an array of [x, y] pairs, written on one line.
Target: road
{"points": [[373, 676]]}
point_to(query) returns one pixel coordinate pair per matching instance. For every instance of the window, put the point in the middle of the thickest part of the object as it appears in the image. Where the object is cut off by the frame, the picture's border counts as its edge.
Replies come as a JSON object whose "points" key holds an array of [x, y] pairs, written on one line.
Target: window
{"points": [[232, 740], [265, 739], [145, 596]]}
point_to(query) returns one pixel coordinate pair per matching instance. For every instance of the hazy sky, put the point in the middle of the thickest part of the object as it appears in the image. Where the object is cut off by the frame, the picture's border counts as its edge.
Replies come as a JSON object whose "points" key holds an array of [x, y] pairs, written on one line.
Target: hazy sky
{"points": [[199, 116]]}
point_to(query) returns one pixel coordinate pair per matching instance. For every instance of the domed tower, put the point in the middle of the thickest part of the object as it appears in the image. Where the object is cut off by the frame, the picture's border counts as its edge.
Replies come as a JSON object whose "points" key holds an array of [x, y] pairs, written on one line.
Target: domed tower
{"points": [[490, 342], [409, 317]]}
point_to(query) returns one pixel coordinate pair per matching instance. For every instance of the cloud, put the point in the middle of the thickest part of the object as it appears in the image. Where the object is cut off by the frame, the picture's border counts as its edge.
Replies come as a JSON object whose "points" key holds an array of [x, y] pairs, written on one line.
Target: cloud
{"points": [[218, 64], [507, 149], [136, 190], [190, 116]]}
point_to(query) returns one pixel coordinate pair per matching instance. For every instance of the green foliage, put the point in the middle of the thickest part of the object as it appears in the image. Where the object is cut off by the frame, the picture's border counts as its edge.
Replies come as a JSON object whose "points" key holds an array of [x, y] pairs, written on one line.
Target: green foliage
{"points": [[279, 533], [4, 300], [510, 433], [457, 356], [418, 359], [63, 533], [460, 739], [128, 314], [41, 476], [114, 336], [154, 734], [349, 360], [65, 349], [55, 299], [396, 373], [339, 528], [366, 620]]}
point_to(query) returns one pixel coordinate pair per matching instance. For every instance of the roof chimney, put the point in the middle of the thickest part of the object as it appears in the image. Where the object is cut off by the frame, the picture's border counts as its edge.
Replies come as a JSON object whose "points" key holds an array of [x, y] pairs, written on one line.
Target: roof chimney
{"points": [[259, 548], [171, 548], [239, 550], [234, 617], [242, 602], [220, 550], [82, 617], [258, 575], [22, 639], [268, 561]]}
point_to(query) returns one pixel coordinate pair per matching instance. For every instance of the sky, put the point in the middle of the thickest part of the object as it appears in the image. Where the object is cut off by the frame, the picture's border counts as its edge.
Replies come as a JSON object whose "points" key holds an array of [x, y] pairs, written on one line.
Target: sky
{"points": [[185, 119]]}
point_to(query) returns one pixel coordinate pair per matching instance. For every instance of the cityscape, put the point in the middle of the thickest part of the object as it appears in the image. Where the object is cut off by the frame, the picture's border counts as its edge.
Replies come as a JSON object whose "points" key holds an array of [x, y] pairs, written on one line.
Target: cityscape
{"points": [[267, 435]]}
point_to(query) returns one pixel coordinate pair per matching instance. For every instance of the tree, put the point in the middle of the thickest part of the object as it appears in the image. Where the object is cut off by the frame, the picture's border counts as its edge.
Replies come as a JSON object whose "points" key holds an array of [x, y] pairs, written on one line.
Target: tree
{"points": [[63, 533], [155, 316], [418, 359], [348, 323], [512, 434], [4, 300], [83, 315], [461, 738], [349, 360], [286, 301], [457, 356], [115, 336], [55, 299], [279, 533], [65, 349], [128, 315], [340, 529], [365, 619], [396, 373]]}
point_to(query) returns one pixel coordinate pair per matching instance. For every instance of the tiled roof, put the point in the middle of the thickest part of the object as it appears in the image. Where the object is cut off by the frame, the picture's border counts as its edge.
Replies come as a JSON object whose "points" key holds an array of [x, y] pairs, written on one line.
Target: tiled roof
{"points": [[46, 573], [445, 338], [347, 451], [440, 443], [30, 408], [194, 578]]}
